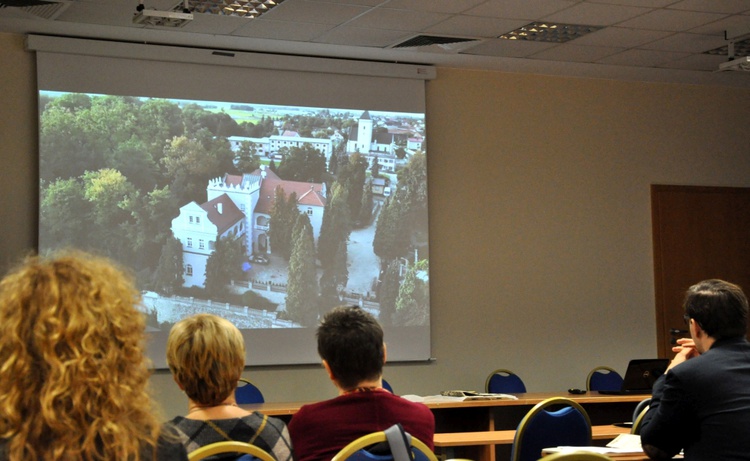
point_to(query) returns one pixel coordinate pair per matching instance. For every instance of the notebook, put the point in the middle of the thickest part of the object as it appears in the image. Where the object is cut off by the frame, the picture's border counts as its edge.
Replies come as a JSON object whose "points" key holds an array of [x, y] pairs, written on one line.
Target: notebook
{"points": [[640, 376]]}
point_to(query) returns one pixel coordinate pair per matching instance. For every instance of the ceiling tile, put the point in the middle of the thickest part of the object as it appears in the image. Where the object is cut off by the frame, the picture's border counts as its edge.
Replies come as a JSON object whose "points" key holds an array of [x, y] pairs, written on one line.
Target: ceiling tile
{"points": [[474, 26], [570, 52], [621, 37], [530, 10], [387, 18], [282, 30], [712, 6], [641, 58], [359, 36], [594, 14], [646, 3], [315, 12], [704, 62], [509, 48], [673, 20], [435, 6], [691, 43]]}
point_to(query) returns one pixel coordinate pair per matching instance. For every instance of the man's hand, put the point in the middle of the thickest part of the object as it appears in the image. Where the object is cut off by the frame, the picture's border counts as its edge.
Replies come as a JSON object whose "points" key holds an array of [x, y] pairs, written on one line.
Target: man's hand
{"points": [[685, 349]]}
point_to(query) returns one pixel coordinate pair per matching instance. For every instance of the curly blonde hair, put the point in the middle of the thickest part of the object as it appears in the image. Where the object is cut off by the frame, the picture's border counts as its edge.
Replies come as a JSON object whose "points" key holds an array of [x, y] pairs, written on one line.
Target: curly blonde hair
{"points": [[74, 374], [206, 354]]}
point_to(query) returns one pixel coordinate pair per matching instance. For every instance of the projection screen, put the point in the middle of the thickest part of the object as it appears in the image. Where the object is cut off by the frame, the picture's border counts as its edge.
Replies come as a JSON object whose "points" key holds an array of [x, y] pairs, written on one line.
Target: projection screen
{"points": [[262, 188]]}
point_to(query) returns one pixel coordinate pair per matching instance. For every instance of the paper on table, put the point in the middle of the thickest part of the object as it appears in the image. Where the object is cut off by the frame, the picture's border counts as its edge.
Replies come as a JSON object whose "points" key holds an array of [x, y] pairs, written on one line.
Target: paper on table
{"points": [[451, 398], [623, 443]]}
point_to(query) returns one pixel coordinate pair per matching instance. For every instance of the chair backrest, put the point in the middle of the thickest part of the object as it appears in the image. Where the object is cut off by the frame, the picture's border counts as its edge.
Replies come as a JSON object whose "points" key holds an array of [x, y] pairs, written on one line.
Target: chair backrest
{"points": [[387, 386], [604, 379], [358, 449], [577, 456], [229, 447], [247, 392], [502, 381], [544, 427], [638, 421], [639, 407]]}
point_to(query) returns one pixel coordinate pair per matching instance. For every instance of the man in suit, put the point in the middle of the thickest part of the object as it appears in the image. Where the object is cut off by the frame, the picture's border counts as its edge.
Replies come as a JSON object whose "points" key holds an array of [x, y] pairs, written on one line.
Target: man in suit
{"points": [[702, 403], [350, 342]]}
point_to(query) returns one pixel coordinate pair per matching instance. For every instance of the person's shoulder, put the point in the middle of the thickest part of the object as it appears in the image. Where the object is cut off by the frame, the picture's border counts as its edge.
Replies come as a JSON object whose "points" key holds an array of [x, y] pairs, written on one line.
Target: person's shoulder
{"points": [[258, 417]]}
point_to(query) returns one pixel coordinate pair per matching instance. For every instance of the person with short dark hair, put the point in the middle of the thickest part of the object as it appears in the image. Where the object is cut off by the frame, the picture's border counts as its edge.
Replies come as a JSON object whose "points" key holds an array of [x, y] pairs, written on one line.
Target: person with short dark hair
{"points": [[350, 344], [206, 354], [702, 403]]}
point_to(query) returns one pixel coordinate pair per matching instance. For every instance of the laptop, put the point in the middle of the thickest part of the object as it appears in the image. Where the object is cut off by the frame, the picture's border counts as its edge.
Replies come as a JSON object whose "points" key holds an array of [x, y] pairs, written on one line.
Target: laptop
{"points": [[640, 376]]}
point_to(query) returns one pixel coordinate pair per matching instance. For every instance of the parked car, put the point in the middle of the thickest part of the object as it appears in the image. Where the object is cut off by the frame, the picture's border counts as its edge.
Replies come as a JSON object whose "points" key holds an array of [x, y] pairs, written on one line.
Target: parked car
{"points": [[260, 259]]}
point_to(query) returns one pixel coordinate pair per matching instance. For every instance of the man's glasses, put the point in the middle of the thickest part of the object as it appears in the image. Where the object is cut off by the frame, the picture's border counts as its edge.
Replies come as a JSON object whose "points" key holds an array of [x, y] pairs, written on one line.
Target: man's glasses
{"points": [[686, 318]]}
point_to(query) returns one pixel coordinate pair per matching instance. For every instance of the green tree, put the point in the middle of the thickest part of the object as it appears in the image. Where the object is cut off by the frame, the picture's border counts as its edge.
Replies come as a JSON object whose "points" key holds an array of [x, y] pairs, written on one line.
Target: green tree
{"points": [[375, 167], [335, 226], [302, 288], [108, 191], [246, 159], [281, 224], [168, 276], [352, 175], [388, 292], [391, 239], [65, 149], [365, 210], [64, 214], [413, 302], [224, 265], [149, 227], [304, 164], [132, 159], [159, 121], [190, 166]]}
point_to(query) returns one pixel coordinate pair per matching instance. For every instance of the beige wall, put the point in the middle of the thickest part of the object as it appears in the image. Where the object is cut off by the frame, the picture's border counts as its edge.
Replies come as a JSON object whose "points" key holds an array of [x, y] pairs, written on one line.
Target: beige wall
{"points": [[540, 220]]}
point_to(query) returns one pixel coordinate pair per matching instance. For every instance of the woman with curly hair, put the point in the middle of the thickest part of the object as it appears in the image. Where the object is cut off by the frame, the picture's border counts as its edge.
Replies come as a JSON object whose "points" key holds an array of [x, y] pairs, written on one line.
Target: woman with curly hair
{"points": [[73, 374], [206, 354]]}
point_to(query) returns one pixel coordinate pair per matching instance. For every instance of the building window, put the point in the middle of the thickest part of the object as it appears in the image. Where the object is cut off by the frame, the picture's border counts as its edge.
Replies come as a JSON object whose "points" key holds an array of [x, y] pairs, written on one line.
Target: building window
{"points": [[189, 270], [190, 242], [211, 245], [309, 211], [197, 219], [201, 244], [191, 220]]}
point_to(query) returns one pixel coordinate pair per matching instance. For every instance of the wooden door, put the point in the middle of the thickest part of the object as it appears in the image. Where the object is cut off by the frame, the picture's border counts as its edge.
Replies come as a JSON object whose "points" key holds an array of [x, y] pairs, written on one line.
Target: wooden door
{"points": [[699, 233]]}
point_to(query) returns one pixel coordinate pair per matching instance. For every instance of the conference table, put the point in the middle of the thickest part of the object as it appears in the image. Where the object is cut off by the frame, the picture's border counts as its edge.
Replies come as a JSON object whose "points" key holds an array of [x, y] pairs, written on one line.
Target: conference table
{"points": [[484, 429]]}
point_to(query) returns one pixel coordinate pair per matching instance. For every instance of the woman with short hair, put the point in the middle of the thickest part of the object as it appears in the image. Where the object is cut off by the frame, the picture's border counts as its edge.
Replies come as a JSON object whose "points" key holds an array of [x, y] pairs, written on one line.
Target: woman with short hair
{"points": [[206, 355]]}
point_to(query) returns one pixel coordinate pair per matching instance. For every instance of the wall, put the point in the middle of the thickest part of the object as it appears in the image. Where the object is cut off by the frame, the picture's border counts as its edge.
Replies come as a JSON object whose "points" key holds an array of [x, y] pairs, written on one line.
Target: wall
{"points": [[540, 224]]}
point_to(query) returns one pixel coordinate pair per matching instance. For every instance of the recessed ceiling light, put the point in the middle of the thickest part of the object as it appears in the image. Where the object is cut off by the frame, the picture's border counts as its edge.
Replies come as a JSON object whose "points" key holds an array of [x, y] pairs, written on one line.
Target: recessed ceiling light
{"points": [[549, 32]]}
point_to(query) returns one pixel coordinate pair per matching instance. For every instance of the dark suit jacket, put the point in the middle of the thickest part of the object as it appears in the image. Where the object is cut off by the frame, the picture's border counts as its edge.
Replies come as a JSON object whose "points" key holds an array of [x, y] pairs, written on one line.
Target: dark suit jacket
{"points": [[703, 406]]}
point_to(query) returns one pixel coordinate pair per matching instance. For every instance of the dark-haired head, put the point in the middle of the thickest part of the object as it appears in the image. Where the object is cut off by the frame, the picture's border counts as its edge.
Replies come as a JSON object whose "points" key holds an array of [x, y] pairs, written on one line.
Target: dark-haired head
{"points": [[719, 307], [351, 341]]}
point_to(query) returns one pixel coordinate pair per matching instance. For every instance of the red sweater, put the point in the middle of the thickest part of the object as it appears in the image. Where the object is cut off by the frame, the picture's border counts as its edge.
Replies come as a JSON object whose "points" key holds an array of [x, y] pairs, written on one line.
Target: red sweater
{"points": [[319, 430]]}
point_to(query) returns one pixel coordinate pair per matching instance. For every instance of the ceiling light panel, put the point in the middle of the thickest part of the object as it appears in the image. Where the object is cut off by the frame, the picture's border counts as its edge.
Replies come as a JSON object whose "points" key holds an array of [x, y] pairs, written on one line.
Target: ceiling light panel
{"points": [[541, 31]]}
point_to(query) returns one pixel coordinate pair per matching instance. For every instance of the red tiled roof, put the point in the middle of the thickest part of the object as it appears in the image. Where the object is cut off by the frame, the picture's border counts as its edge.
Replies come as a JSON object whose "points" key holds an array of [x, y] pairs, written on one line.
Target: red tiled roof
{"points": [[308, 193], [229, 216]]}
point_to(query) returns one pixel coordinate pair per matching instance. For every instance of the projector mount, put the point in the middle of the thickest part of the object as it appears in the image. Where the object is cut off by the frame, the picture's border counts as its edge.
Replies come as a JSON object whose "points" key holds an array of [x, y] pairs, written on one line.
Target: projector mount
{"points": [[177, 17], [737, 64]]}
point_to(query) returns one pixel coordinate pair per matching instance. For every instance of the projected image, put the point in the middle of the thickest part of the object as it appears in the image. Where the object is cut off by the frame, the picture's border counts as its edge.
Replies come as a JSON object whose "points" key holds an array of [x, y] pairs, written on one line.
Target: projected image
{"points": [[265, 215]]}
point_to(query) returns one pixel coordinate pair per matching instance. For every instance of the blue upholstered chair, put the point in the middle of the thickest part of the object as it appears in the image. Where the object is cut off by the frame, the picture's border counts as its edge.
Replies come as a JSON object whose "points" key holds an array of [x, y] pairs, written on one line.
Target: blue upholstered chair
{"points": [[376, 447], [387, 386], [502, 381], [603, 379], [557, 421], [247, 392]]}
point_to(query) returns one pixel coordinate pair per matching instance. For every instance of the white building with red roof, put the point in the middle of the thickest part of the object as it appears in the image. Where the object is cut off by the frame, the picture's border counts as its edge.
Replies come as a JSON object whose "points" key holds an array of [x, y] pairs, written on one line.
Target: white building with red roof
{"points": [[239, 206]]}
